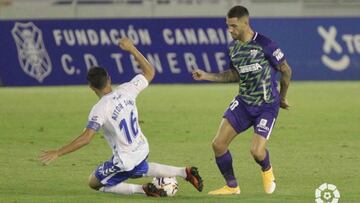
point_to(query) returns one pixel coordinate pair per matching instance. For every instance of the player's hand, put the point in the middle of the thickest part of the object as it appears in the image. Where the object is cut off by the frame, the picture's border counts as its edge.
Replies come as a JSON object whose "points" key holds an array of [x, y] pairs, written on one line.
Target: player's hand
{"points": [[284, 104], [48, 156], [198, 74], [126, 44]]}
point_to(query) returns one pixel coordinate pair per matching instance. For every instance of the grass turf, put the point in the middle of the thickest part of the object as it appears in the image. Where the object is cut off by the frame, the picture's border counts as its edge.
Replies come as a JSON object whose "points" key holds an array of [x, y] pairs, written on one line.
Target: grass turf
{"points": [[317, 141]]}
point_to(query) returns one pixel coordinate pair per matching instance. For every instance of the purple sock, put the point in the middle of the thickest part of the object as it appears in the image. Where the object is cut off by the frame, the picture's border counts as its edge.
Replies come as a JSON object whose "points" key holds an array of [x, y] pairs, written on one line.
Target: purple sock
{"points": [[224, 163], [265, 164]]}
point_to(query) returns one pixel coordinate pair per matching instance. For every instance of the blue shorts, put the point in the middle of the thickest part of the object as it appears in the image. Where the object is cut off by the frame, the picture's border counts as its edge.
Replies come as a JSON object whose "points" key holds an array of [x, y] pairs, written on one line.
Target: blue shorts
{"points": [[242, 116], [109, 174]]}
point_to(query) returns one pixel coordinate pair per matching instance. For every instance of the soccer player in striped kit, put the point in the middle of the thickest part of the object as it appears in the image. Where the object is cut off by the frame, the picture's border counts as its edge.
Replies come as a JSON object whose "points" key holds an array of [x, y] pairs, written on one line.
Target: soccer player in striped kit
{"points": [[255, 60]]}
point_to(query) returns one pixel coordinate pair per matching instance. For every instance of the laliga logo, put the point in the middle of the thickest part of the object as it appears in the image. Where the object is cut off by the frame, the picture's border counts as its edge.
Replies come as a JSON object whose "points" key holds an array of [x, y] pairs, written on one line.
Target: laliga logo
{"points": [[32, 55], [327, 193]]}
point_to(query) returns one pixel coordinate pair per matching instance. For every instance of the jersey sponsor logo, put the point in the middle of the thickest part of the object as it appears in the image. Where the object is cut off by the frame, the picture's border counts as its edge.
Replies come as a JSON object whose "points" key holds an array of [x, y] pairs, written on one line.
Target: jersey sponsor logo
{"points": [[278, 54], [32, 55], [249, 68]]}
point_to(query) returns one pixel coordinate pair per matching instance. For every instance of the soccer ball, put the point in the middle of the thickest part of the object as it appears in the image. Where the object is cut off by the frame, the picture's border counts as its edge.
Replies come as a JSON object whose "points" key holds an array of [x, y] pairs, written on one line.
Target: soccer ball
{"points": [[168, 184]]}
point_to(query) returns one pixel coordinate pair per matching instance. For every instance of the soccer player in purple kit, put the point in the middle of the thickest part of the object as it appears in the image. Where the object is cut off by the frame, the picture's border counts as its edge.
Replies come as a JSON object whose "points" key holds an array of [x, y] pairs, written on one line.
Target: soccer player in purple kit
{"points": [[255, 60]]}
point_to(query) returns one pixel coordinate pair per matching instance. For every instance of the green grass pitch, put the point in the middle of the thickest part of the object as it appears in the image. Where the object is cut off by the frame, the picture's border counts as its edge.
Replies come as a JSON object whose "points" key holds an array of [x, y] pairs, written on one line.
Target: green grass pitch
{"points": [[316, 141]]}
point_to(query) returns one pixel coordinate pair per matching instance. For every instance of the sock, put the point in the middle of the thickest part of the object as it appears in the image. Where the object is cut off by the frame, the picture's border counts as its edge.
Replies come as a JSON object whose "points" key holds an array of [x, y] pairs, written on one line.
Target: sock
{"points": [[160, 170], [265, 164], [224, 163], [123, 189]]}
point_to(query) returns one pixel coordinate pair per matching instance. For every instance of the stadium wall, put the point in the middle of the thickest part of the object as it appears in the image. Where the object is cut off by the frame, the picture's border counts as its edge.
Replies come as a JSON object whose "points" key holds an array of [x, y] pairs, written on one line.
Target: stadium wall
{"points": [[60, 9], [59, 52]]}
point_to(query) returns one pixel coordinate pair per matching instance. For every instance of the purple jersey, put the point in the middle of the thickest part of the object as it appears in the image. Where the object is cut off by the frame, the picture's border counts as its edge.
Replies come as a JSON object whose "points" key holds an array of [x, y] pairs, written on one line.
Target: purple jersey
{"points": [[256, 62]]}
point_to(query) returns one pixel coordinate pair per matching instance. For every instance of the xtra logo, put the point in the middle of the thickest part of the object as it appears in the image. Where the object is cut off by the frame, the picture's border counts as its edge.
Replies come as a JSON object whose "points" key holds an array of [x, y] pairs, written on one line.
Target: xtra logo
{"points": [[352, 43], [32, 55]]}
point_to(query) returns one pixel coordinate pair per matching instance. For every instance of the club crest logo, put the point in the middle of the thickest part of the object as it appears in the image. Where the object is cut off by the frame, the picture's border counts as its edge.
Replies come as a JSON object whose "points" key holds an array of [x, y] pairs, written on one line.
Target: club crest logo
{"points": [[253, 53], [32, 55]]}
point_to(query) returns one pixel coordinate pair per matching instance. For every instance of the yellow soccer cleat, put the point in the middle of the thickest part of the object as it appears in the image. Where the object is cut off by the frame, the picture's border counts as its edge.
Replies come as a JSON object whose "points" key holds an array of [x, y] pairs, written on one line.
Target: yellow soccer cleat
{"points": [[226, 190], [269, 181]]}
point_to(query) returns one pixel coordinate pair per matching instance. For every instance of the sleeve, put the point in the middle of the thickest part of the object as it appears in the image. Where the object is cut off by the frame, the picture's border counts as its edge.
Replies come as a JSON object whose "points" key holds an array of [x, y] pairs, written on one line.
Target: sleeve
{"points": [[135, 86], [96, 118], [229, 50], [274, 54]]}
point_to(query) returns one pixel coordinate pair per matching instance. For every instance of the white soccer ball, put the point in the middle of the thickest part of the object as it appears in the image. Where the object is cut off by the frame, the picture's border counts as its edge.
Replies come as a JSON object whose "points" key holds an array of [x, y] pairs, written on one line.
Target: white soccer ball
{"points": [[168, 184]]}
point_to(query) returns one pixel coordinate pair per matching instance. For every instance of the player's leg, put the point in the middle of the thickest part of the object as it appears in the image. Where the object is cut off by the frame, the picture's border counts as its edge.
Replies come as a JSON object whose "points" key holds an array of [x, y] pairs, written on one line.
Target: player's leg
{"points": [[162, 170], [189, 173], [220, 144], [263, 127], [235, 120], [262, 157], [259, 152], [94, 182], [108, 178], [120, 188]]}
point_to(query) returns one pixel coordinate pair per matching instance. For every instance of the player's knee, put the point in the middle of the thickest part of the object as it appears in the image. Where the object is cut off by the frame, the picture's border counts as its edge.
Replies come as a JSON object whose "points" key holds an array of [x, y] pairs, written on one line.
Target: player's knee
{"points": [[214, 145], [218, 147], [92, 186], [94, 183], [257, 153]]}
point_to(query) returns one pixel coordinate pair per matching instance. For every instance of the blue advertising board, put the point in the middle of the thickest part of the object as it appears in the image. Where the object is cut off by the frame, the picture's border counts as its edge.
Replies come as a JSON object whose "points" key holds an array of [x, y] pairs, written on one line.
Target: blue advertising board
{"points": [[59, 52]]}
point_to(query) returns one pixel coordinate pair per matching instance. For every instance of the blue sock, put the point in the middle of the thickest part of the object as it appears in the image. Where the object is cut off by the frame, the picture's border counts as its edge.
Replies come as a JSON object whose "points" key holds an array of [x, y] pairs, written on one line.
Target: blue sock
{"points": [[224, 163], [265, 164]]}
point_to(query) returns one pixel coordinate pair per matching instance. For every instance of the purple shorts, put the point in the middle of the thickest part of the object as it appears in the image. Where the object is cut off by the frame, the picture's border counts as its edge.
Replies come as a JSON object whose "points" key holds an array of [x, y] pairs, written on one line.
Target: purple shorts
{"points": [[242, 116]]}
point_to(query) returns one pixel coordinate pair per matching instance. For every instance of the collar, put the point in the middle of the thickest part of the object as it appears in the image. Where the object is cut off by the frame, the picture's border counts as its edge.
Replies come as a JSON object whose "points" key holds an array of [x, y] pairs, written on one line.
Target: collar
{"points": [[255, 36]]}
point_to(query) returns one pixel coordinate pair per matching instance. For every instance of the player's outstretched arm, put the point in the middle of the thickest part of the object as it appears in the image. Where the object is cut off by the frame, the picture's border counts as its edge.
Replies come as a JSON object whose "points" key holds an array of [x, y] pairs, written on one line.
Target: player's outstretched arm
{"points": [[286, 72], [226, 76], [51, 155], [148, 71]]}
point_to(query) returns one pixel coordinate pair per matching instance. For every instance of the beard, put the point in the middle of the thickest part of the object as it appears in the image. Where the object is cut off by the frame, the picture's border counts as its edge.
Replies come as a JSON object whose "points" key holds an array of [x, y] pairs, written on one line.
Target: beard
{"points": [[235, 37]]}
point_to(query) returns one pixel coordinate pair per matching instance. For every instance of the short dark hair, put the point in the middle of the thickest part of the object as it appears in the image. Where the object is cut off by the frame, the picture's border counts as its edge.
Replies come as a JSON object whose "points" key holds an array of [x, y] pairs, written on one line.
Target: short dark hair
{"points": [[237, 12], [97, 77]]}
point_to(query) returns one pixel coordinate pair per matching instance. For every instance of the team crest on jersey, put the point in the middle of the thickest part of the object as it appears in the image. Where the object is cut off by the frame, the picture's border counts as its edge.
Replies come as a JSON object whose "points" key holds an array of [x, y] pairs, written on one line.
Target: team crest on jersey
{"points": [[32, 55], [253, 53]]}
